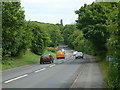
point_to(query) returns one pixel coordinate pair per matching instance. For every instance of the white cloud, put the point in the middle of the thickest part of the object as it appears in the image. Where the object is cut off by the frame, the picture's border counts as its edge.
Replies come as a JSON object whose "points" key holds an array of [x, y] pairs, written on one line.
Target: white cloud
{"points": [[51, 11]]}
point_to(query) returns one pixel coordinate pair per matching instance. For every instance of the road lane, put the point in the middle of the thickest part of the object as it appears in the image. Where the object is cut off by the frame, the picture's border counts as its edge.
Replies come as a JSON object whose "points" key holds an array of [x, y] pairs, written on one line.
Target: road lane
{"points": [[15, 72], [8, 74], [52, 77], [90, 76], [68, 73]]}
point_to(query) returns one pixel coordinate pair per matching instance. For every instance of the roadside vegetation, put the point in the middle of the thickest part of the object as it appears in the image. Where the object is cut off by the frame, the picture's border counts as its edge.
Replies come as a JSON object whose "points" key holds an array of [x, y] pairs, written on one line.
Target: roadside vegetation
{"points": [[0, 36], [25, 59], [19, 36], [97, 32]]}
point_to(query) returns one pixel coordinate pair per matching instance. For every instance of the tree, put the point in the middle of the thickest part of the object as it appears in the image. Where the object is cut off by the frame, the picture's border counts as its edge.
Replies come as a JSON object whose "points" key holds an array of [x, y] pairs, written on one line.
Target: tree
{"points": [[113, 46], [40, 38], [61, 22], [67, 31], [74, 38], [100, 25], [13, 33], [54, 33], [92, 21]]}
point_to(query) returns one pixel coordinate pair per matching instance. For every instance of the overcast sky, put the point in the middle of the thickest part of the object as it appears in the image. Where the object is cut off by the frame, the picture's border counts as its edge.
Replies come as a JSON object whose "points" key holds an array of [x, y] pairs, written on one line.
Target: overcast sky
{"points": [[52, 11]]}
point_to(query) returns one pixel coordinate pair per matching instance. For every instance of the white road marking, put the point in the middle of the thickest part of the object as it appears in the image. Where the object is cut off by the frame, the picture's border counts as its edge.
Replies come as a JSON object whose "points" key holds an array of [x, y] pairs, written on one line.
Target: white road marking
{"points": [[52, 65], [40, 70], [15, 78], [72, 86]]}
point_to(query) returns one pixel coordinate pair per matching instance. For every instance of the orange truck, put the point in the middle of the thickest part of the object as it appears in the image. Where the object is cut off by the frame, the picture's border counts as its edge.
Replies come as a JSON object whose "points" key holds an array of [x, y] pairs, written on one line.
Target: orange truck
{"points": [[60, 55]]}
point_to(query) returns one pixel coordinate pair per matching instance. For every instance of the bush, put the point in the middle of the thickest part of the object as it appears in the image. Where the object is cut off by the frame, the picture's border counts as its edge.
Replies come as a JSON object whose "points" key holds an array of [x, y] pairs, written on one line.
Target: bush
{"points": [[51, 49], [112, 80]]}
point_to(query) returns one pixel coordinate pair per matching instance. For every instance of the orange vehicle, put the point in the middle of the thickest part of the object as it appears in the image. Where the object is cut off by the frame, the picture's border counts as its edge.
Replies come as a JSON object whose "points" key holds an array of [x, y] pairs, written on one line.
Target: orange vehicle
{"points": [[60, 54]]}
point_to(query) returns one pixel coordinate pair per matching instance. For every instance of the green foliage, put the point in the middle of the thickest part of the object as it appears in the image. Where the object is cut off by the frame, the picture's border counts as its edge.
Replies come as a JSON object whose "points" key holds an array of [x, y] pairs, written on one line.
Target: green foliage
{"points": [[100, 24], [51, 49], [54, 32], [13, 32], [113, 46], [39, 38], [27, 58], [92, 21], [20, 35], [68, 30], [74, 38], [113, 80], [49, 52], [61, 27]]}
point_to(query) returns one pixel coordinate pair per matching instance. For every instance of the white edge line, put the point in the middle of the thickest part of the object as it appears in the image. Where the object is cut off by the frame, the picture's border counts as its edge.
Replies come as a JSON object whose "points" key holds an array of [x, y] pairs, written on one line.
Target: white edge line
{"points": [[15, 78], [72, 86], [52, 65], [40, 70]]}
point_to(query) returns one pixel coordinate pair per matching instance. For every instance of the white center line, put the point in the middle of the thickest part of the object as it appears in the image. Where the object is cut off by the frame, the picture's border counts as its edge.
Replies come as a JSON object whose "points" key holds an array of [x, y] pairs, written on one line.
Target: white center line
{"points": [[52, 65], [40, 70], [15, 78]]}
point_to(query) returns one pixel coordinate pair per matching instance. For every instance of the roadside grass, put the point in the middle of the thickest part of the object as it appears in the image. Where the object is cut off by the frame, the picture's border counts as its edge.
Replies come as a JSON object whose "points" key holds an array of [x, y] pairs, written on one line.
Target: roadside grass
{"points": [[104, 69], [49, 52], [26, 59], [0, 58]]}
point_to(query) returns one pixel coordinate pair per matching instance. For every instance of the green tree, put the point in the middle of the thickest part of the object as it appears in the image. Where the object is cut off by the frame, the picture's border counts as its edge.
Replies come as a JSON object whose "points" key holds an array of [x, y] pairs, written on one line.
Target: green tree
{"points": [[75, 39], [100, 25], [54, 33], [92, 21], [13, 32], [113, 46], [40, 38], [67, 31]]}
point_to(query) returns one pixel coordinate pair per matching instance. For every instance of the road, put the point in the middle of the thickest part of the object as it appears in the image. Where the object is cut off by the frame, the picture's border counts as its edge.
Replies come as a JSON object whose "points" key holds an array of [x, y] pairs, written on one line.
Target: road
{"points": [[63, 73]]}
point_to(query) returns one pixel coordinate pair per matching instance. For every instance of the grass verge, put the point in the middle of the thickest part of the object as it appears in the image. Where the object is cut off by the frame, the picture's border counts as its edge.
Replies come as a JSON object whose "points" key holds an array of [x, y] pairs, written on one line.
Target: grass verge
{"points": [[104, 69], [26, 59], [0, 58], [49, 52]]}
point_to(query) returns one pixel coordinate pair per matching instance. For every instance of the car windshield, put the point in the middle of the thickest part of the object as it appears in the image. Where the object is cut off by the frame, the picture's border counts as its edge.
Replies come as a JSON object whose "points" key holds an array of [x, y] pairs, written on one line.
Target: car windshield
{"points": [[79, 52], [75, 52], [47, 55]]}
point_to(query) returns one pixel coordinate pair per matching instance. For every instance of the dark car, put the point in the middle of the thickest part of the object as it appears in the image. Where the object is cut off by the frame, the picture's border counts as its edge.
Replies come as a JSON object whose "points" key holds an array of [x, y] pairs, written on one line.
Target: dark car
{"points": [[46, 58], [79, 55]]}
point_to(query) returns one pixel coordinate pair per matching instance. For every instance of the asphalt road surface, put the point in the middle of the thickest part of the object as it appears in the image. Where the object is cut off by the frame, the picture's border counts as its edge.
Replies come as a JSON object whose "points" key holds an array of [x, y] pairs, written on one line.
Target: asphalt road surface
{"points": [[63, 73]]}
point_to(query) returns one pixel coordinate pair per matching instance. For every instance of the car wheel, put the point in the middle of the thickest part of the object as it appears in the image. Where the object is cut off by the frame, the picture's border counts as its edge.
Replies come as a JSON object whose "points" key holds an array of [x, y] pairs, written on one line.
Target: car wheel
{"points": [[41, 62]]}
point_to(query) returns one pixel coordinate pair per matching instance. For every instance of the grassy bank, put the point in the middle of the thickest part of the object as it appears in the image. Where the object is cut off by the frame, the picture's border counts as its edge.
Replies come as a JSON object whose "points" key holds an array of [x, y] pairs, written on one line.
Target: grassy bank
{"points": [[104, 69], [26, 59], [0, 58], [49, 52]]}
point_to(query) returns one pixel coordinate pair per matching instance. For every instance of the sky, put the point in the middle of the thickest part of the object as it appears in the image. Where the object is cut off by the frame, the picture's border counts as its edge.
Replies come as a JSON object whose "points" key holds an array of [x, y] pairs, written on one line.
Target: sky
{"points": [[52, 11]]}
